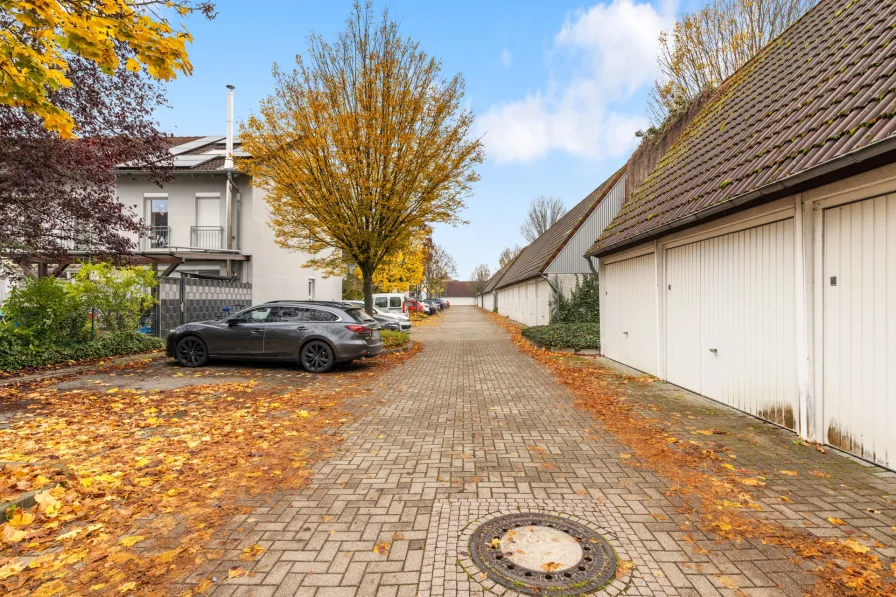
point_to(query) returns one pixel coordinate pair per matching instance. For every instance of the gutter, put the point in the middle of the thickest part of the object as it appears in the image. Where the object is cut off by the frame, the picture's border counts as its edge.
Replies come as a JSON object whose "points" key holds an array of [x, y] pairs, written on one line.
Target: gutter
{"points": [[769, 192], [556, 294]]}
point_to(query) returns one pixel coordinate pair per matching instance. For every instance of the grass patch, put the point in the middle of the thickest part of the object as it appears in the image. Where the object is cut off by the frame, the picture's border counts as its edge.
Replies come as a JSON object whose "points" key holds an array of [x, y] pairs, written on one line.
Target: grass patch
{"points": [[394, 339], [565, 335]]}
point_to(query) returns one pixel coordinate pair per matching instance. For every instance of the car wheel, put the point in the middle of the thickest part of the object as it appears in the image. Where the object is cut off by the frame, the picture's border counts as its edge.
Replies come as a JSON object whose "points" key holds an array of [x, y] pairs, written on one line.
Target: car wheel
{"points": [[317, 357], [191, 352]]}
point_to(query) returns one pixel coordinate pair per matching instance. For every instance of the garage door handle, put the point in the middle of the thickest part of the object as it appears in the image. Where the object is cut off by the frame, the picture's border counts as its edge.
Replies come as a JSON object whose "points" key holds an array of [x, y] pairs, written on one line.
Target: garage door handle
{"points": [[301, 328], [714, 350]]}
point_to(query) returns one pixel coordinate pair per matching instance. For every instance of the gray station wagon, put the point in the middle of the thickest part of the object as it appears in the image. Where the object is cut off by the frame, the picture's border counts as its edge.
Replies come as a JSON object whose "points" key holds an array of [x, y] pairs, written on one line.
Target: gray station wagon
{"points": [[316, 334]]}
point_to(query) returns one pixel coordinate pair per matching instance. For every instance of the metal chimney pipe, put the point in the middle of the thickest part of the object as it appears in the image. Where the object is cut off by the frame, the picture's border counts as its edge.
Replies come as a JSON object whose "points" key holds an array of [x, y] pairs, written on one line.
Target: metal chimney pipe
{"points": [[228, 157]]}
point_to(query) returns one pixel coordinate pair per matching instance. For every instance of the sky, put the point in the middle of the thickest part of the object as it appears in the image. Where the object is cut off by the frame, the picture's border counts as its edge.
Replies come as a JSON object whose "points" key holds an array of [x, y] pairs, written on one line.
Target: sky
{"points": [[558, 89]]}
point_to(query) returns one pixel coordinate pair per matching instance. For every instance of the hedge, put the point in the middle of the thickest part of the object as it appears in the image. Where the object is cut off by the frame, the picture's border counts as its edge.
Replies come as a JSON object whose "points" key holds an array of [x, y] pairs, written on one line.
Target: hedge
{"points": [[107, 345], [394, 339], [565, 335]]}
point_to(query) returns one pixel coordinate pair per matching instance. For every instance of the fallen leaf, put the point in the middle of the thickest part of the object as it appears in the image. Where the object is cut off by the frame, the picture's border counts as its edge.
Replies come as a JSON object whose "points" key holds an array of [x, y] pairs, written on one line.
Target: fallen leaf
{"points": [[789, 473], [132, 540], [252, 552], [856, 546], [727, 582], [551, 566], [382, 548], [236, 572], [833, 520]]}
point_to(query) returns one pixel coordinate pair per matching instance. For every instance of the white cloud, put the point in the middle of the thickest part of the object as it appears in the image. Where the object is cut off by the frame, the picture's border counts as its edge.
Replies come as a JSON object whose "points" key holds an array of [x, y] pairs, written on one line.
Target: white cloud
{"points": [[608, 55], [506, 58]]}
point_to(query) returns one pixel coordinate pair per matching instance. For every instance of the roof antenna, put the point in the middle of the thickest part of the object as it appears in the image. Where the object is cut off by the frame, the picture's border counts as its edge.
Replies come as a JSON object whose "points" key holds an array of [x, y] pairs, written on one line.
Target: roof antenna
{"points": [[228, 156]]}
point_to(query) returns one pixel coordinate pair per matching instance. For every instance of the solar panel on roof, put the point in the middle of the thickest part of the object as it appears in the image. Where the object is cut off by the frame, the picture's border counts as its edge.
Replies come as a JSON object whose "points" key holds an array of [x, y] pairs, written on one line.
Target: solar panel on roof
{"points": [[190, 161], [179, 149]]}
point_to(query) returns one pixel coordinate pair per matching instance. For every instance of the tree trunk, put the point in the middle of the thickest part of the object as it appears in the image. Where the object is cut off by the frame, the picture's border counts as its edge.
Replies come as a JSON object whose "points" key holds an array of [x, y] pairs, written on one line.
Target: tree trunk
{"points": [[367, 277]]}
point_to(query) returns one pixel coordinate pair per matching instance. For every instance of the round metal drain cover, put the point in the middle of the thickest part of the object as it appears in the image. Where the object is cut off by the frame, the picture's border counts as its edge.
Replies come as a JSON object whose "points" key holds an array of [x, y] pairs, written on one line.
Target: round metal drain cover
{"points": [[540, 554]]}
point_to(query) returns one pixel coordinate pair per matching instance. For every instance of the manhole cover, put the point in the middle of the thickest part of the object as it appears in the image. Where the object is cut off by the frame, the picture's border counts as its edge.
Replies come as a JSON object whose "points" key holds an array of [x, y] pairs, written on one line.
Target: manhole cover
{"points": [[542, 554]]}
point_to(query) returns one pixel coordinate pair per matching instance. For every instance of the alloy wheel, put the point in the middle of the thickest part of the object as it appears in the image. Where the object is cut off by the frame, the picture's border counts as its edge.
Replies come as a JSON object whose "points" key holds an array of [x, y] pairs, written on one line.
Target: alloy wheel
{"points": [[191, 352], [317, 357]]}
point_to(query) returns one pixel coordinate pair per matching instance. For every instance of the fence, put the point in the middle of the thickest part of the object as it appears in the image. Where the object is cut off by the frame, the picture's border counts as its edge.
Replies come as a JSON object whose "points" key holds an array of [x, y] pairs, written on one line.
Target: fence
{"points": [[187, 299]]}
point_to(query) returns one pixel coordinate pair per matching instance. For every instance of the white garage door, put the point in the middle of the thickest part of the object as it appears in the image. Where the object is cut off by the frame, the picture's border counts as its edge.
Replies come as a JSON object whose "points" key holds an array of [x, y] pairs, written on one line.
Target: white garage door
{"points": [[628, 322], [860, 328], [730, 331]]}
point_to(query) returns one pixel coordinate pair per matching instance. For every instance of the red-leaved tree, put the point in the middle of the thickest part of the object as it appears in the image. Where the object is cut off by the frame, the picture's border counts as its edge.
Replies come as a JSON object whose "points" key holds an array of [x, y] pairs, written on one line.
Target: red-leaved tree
{"points": [[58, 194]]}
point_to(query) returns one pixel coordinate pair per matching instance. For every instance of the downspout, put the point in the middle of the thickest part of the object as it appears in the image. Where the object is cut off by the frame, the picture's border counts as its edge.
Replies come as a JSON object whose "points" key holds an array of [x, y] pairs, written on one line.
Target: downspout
{"points": [[228, 165], [589, 258], [556, 294]]}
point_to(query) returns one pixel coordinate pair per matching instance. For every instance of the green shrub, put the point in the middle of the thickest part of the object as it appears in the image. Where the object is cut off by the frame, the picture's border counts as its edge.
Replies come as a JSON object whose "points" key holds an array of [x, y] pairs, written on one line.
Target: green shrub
{"points": [[394, 339], [48, 311], [119, 294], [565, 335], [110, 344], [583, 303]]}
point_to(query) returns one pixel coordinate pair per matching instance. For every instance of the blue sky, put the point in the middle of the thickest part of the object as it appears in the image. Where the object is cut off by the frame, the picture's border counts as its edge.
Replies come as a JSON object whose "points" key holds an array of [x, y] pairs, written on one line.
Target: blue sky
{"points": [[558, 88]]}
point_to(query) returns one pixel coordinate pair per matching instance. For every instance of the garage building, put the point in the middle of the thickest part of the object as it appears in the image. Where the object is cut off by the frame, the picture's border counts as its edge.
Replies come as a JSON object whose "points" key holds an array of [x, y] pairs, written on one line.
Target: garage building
{"points": [[527, 291], [756, 264]]}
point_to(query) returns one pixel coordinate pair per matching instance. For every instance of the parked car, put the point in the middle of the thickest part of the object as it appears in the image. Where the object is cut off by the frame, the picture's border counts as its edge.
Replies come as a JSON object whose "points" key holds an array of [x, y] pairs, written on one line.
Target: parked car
{"points": [[316, 334], [434, 304], [419, 306], [392, 302], [396, 322]]}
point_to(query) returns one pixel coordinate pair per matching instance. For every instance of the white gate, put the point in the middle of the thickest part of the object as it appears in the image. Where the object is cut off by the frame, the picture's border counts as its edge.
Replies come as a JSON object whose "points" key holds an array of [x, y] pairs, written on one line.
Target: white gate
{"points": [[730, 331], [859, 297], [628, 327]]}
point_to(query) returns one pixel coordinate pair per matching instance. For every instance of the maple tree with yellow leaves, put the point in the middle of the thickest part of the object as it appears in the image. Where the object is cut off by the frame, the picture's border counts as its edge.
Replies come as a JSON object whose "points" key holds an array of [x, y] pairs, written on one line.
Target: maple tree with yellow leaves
{"points": [[362, 147], [402, 269], [39, 38]]}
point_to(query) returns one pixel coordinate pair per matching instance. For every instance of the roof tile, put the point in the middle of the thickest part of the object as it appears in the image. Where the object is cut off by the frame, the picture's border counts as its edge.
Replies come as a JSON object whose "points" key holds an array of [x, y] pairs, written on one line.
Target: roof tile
{"points": [[825, 87]]}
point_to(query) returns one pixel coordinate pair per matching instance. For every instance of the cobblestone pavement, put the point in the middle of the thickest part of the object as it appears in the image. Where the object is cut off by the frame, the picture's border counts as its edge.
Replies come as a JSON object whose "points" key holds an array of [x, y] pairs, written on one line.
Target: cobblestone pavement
{"points": [[471, 429]]}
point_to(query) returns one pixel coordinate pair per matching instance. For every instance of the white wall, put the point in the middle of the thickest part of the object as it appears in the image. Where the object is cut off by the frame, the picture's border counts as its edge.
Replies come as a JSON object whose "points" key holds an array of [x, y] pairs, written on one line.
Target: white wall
{"points": [[275, 273], [527, 302], [278, 273], [469, 301]]}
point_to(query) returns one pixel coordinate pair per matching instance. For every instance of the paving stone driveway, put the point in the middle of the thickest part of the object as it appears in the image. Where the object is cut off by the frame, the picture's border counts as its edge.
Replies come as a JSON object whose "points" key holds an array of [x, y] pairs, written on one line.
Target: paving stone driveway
{"points": [[469, 429]]}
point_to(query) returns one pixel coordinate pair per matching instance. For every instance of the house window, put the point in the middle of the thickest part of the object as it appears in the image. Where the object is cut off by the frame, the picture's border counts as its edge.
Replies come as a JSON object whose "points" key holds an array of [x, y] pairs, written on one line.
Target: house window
{"points": [[310, 289], [158, 222]]}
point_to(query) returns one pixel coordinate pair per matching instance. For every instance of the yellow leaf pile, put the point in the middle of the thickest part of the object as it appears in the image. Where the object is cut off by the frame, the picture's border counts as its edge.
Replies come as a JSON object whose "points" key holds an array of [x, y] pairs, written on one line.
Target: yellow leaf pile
{"points": [[138, 501]]}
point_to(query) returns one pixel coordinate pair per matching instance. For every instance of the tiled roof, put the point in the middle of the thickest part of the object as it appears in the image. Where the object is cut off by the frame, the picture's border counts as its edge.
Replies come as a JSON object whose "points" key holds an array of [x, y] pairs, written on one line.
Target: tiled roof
{"points": [[538, 256], [822, 89], [495, 279], [459, 288]]}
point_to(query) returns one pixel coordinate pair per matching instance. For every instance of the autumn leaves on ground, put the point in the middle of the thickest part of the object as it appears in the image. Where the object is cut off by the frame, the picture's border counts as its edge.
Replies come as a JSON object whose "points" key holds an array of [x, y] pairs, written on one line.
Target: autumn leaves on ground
{"points": [[715, 493], [129, 486]]}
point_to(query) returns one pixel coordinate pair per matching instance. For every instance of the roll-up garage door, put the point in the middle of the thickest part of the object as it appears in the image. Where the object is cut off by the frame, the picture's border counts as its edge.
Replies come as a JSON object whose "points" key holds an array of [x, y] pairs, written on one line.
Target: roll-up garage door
{"points": [[730, 330], [628, 322], [859, 359]]}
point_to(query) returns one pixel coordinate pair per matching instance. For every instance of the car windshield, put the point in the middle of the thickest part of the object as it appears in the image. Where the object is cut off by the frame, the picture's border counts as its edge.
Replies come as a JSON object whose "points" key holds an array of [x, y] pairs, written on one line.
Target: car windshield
{"points": [[359, 315]]}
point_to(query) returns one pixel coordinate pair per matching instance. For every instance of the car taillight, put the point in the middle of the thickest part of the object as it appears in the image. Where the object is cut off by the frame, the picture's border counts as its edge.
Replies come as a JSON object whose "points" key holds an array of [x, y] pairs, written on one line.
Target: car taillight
{"points": [[358, 329], [404, 307]]}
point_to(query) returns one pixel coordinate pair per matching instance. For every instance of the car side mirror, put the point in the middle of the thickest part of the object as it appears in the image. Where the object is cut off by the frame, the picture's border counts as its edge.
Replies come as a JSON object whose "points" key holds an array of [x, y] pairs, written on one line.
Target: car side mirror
{"points": [[232, 322]]}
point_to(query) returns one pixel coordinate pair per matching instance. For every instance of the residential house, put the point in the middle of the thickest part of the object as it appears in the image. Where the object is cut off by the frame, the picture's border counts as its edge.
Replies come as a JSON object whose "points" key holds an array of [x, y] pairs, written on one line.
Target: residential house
{"points": [[458, 292], [527, 291], [211, 219], [756, 264]]}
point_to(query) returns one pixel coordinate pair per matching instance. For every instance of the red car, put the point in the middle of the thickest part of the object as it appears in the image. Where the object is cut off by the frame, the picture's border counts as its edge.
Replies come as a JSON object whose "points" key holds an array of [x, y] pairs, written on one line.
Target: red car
{"points": [[413, 305]]}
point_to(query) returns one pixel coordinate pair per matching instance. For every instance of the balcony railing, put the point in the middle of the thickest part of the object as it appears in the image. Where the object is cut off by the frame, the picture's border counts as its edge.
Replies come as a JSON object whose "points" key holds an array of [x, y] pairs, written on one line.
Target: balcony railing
{"points": [[207, 237], [159, 237]]}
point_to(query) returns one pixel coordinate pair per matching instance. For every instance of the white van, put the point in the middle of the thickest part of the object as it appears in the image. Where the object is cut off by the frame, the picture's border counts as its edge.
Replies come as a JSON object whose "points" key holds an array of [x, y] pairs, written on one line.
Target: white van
{"points": [[393, 302]]}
